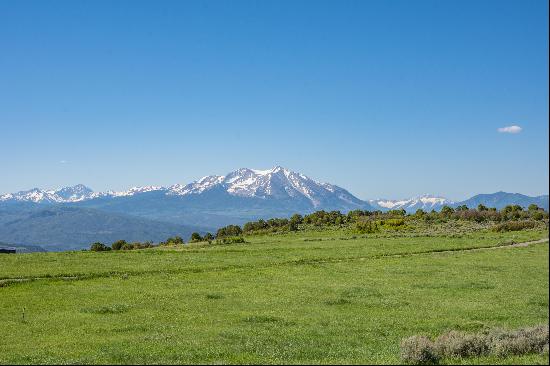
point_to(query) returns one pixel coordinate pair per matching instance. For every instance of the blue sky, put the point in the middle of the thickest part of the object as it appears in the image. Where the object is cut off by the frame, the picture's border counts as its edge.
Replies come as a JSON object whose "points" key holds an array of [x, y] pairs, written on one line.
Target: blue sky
{"points": [[384, 98]]}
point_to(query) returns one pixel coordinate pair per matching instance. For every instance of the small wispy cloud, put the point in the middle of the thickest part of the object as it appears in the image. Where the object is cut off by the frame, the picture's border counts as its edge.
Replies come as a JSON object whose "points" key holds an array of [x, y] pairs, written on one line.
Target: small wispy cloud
{"points": [[510, 129], [63, 162]]}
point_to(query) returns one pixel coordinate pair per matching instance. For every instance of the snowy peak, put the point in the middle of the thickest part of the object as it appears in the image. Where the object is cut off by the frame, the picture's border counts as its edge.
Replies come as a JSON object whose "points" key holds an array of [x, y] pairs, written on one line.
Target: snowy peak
{"points": [[68, 194], [131, 192], [276, 182], [425, 202], [73, 194], [197, 187]]}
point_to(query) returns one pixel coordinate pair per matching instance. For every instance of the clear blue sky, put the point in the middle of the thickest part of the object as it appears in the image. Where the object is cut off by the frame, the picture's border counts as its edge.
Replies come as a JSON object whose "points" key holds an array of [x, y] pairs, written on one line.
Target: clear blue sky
{"points": [[384, 98]]}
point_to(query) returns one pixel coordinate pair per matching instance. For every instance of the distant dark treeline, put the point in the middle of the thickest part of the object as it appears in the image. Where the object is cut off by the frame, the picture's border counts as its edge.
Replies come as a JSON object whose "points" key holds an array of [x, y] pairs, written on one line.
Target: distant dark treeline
{"points": [[510, 218]]}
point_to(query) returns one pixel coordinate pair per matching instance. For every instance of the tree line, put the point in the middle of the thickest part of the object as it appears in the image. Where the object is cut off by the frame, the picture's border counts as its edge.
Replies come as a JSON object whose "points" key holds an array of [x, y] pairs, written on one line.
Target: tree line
{"points": [[363, 220]]}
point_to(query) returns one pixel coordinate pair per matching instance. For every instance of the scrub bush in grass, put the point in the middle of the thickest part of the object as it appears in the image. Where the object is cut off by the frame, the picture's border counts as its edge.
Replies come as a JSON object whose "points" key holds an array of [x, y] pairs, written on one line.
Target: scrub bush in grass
{"points": [[497, 342], [514, 226], [459, 344], [528, 340], [419, 350]]}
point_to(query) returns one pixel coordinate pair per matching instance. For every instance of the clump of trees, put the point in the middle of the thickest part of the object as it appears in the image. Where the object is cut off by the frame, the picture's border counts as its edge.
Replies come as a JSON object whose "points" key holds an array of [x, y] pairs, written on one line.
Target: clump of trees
{"points": [[99, 247], [117, 245], [230, 234], [176, 240], [324, 218], [137, 245], [196, 237], [270, 225], [121, 245], [229, 230], [366, 227]]}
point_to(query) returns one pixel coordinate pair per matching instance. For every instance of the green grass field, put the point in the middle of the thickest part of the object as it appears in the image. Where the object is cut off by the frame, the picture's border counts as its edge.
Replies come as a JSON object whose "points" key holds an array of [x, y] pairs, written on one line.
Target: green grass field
{"points": [[314, 297]]}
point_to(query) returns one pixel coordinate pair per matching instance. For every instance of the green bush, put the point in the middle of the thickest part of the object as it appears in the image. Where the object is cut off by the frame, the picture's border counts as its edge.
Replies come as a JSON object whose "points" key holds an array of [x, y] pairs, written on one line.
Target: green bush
{"points": [[117, 245], [231, 240], [127, 246], [99, 247], [366, 227], [446, 211], [176, 240], [394, 223], [138, 245], [229, 230], [400, 212], [195, 237]]}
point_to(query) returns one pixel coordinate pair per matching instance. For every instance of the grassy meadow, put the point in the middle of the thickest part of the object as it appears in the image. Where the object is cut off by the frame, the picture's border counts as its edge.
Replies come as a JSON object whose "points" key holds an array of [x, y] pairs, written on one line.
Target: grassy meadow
{"points": [[326, 296]]}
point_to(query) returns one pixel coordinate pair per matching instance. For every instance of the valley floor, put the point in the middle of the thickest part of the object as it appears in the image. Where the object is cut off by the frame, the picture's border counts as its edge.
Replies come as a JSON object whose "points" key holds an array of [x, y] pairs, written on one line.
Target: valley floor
{"points": [[318, 297]]}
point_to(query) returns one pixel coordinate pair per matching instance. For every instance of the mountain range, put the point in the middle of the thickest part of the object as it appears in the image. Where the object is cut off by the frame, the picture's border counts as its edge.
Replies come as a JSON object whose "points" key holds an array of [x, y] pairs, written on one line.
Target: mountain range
{"points": [[277, 183], [72, 217]]}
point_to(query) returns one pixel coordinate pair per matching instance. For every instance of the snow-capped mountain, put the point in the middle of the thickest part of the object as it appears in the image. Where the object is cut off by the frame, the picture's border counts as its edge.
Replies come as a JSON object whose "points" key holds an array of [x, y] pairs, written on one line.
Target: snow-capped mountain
{"points": [[275, 183], [425, 202], [240, 196], [212, 201], [278, 183], [68, 194]]}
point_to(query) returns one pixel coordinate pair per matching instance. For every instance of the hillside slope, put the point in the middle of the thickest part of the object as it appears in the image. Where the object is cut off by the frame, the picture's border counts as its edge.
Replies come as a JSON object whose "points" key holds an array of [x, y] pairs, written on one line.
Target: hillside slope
{"points": [[65, 228]]}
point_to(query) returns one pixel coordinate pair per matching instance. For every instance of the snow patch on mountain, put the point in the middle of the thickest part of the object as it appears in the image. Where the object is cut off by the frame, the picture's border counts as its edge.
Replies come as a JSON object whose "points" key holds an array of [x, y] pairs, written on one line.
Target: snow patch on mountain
{"points": [[425, 202], [277, 182], [133, 191]]}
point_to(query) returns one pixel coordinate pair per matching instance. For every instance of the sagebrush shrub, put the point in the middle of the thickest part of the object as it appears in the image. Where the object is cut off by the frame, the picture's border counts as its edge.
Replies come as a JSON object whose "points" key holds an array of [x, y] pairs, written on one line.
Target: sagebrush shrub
{"points": [[514, 226], [459, 344], [418, 350], [497, 342], [528, 340]]}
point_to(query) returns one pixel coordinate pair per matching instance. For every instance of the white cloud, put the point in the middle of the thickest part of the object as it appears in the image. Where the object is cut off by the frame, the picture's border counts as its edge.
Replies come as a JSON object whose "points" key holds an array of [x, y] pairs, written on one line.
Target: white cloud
{"points": [[510, 129], [63, 162]]}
